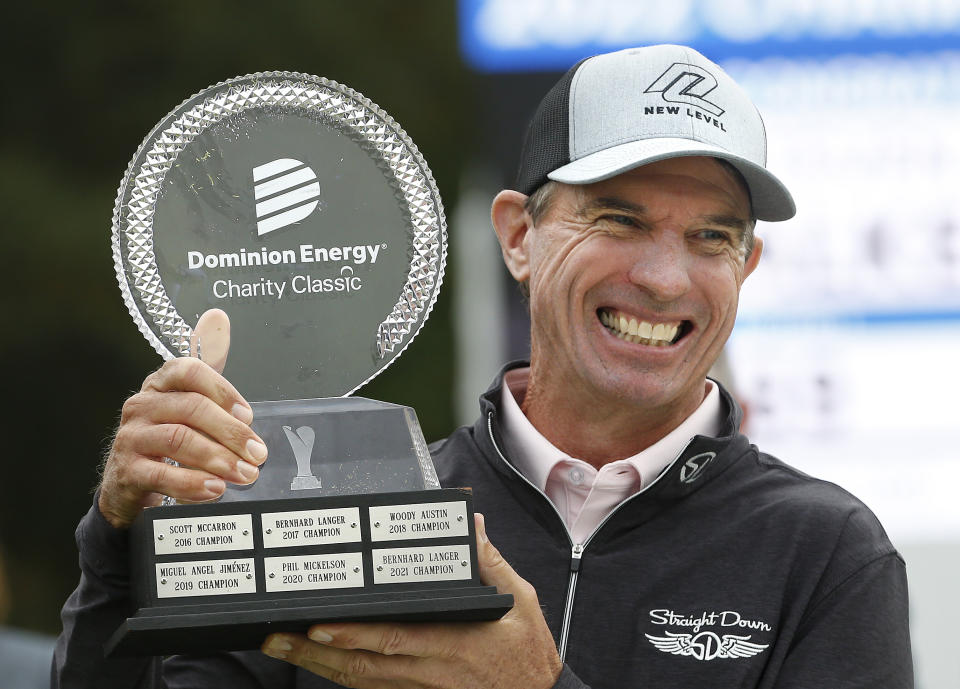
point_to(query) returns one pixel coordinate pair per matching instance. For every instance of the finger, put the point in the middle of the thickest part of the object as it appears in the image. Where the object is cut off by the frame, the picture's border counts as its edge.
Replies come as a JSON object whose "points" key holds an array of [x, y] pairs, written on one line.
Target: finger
{"points": [[150, 475], [140, 480], [496, 571], [185, 374], [192, 449], [391, 639], [350, 668], [210, 340], [194, 411]]}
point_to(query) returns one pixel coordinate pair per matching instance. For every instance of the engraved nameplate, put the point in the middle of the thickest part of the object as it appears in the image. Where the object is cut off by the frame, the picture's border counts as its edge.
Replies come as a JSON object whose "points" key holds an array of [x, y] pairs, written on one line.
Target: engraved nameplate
{"points": [[203, 534], [311, 527], [206, 578], [430, 563], [307, 572], [419, 520]]}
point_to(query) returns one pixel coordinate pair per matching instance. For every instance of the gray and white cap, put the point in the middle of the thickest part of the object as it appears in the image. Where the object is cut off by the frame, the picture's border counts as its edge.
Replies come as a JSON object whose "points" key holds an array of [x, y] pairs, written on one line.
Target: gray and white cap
{"points": [[615, 112]]}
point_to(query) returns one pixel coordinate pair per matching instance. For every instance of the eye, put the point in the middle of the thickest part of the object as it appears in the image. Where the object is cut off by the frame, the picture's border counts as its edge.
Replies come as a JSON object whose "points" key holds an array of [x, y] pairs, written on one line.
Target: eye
{"points": [[623, 220], [715, 241], [714, 235]]}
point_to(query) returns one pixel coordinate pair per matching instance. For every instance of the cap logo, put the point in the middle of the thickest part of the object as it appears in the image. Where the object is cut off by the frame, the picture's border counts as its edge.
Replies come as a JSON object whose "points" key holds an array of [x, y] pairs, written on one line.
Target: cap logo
{"points": [[686, 83]]}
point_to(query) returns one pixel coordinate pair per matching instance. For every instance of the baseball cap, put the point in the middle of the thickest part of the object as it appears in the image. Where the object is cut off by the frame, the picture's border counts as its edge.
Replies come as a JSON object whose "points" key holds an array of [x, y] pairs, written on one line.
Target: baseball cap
{"points": [[614, 112]]}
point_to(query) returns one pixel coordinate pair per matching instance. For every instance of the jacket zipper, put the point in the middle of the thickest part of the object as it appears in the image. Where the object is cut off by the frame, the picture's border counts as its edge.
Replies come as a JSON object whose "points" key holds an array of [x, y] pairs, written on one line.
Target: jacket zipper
{"points": [[575, 555], [576, 549]]}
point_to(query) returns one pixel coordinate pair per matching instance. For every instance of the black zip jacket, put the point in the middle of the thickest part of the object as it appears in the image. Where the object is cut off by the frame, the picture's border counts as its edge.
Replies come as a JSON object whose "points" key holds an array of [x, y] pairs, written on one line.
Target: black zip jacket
{"points": [[732, 569]]}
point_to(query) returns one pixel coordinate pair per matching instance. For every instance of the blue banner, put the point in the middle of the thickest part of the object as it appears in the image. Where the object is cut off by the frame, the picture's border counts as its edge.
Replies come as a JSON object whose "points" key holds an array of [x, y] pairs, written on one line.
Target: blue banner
{"points": [[547, 35]]}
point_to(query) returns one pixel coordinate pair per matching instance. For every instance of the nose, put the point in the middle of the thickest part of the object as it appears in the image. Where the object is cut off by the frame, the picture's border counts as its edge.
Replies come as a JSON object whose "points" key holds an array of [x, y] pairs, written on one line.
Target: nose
{"points": [[660, 267]]}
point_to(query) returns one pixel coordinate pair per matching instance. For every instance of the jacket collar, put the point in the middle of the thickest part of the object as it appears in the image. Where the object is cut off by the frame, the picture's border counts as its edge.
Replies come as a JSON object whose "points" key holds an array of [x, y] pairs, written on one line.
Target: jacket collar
{"points": [[701, 461]]}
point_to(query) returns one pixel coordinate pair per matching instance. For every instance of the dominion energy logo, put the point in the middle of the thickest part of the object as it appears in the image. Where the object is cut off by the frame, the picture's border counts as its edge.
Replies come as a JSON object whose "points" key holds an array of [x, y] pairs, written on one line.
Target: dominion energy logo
{"points": [[286, 191]]}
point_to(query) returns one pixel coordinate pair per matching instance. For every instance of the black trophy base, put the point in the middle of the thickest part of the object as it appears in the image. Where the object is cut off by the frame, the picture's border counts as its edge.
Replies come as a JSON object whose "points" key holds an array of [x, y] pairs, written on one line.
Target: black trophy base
{"points": [[236, 627], [223, 576]]}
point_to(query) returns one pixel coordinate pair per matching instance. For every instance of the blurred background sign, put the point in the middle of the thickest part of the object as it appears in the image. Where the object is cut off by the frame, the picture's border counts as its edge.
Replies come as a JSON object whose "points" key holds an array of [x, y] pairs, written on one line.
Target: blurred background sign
{"points": [[551, 35]]}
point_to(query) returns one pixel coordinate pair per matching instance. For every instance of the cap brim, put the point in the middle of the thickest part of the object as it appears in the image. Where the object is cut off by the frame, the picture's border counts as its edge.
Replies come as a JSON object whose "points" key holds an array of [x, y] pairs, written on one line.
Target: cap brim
{"points": [[771, 200]]}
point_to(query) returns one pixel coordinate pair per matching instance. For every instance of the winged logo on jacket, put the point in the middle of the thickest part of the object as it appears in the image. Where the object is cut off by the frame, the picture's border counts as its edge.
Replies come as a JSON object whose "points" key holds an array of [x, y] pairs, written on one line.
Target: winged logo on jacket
{"points": [[707, 645]]}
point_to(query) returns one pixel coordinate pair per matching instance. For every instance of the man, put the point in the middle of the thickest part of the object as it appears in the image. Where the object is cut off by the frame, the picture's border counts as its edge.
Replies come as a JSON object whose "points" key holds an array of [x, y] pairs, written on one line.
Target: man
{"points": [[646, 542]]}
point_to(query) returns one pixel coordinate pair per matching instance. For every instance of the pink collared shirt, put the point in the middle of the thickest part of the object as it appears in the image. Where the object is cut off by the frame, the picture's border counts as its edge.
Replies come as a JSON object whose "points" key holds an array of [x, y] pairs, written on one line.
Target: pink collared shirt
{"points": [[583, 495]]}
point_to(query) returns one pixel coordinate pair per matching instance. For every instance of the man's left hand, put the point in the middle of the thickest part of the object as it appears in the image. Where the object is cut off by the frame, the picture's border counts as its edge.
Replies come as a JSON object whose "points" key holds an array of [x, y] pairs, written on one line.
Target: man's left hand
{"points": [[514, 651]]}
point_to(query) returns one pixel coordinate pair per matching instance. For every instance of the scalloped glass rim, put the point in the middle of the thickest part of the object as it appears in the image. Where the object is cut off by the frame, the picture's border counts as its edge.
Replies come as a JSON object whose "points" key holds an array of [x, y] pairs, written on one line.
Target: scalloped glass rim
{"points": [[143, 291]]}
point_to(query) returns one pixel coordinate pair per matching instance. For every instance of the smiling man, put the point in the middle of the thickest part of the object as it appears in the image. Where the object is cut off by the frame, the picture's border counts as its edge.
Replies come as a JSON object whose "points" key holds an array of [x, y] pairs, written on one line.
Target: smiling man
{"points": [[633, 285], [646, 541]]}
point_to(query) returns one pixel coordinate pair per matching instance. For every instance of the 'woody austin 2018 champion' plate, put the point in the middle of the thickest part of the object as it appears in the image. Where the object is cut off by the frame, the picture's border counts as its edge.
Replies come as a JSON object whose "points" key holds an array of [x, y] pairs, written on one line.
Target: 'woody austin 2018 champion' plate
{"points": [[301, 209]]}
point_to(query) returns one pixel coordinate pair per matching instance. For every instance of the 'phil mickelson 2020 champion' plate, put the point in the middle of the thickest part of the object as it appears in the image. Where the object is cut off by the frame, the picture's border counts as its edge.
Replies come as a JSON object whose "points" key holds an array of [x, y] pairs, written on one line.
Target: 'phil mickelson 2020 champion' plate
{"points": [[303, 211]]}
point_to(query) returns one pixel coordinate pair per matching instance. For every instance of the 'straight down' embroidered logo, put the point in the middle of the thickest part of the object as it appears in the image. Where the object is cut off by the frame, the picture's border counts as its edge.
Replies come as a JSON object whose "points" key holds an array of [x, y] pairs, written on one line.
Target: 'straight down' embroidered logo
{"points": [[703, 644]]}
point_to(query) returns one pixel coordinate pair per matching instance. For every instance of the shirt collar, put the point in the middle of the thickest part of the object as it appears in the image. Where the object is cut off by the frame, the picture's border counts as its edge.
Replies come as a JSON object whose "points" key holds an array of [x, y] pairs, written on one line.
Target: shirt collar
{"points": [[535, 456]]}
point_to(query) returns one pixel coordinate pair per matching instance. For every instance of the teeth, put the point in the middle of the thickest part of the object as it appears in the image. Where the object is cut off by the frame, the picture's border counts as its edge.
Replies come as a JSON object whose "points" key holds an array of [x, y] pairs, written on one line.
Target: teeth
{"points": [[639, 332]]}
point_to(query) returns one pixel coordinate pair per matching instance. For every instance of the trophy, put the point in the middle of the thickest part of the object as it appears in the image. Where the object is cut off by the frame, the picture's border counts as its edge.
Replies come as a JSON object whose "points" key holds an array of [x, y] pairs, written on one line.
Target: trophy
{"points": [[302, 211]]}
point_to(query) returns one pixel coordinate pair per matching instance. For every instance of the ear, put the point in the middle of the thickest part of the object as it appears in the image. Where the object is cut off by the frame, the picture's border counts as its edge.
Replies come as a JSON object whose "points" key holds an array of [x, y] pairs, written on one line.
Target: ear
{"points": [[754, 259], [512, 224]]}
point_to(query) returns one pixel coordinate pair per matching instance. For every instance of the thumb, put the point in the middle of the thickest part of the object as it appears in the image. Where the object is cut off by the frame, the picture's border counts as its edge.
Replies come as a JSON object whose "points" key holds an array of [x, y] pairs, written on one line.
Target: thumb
{"points": [[494, 570], [210, 340]]}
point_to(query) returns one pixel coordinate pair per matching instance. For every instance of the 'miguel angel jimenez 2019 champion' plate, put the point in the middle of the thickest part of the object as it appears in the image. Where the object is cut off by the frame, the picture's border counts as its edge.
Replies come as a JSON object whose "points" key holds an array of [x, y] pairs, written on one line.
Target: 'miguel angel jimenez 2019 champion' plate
{"points": [[303, 211]]}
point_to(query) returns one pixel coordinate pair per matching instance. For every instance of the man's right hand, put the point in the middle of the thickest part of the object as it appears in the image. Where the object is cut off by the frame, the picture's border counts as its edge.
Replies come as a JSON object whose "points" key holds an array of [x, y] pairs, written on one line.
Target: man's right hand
{"points": [[190, 413]]}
